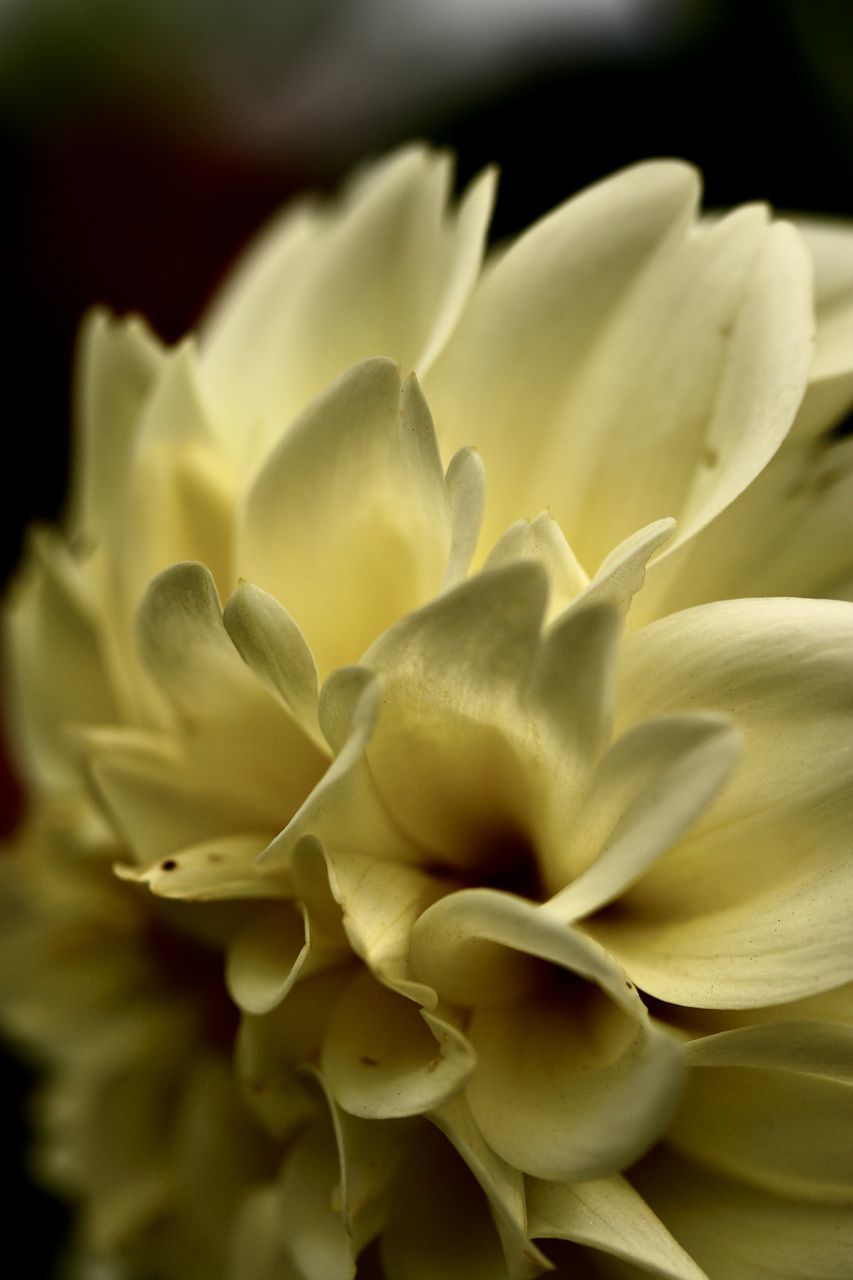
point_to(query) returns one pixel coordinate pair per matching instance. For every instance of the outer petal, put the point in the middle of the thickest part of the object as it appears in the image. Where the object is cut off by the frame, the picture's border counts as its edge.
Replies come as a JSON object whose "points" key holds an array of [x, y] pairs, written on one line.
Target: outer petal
{"points": [[733, 1229], [50, 688], [179, 502], [710, 924], [118, 363], [658, 366], [830, 391], [789, 533], [348, 522], [773, 1105], [609, 1217], [386, 273]]}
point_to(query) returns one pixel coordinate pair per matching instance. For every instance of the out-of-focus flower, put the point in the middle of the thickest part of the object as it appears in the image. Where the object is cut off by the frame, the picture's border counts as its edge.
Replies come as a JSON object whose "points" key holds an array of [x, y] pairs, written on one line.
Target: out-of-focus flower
{"points": [[533, 905]]}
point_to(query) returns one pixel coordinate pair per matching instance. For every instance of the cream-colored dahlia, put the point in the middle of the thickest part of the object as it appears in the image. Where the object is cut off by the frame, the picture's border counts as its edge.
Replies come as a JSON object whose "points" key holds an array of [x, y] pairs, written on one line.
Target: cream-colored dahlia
{"points": [[438, 862]]}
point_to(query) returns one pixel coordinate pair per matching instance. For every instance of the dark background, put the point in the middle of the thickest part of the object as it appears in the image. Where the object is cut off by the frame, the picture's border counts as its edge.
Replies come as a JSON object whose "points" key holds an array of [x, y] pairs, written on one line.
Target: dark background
{"points": [[137, 155]]}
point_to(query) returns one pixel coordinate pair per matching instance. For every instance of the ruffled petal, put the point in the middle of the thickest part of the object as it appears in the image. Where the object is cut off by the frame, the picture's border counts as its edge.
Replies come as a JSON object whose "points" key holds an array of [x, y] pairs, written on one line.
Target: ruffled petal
{"points": [[572, 1080], [383, 1059]]}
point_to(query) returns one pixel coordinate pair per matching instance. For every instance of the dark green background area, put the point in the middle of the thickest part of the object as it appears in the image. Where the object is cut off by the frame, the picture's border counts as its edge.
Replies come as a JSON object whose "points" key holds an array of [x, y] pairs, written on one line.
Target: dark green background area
{"points": [[111, 197]]}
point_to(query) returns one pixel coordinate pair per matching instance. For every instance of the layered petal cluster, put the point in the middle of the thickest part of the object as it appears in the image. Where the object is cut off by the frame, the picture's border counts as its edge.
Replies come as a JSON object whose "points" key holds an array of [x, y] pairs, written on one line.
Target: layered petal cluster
{"points": [[436, 714]]}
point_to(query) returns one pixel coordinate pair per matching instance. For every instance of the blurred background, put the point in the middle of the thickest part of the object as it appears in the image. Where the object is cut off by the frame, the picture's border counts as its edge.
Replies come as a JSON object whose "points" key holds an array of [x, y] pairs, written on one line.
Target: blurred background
{"points": [[142, 141]]}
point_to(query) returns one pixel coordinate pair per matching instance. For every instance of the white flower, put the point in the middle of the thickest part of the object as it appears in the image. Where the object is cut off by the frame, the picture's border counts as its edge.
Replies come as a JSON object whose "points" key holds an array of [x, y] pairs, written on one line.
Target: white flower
{"points": [[535, 901]]}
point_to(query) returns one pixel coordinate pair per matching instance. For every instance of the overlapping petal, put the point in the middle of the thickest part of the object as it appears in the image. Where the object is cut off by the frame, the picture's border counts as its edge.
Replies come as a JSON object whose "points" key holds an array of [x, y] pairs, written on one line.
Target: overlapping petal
{"points": [[649, 358], [753, 906]]}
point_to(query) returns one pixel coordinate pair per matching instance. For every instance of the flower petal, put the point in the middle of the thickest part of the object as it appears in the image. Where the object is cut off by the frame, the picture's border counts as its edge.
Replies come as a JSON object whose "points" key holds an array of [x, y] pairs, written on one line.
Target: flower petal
{"points": [[773, 1105], [118, 363], [348, 521], [180, 497], [543, 540], [661, 364], [383, 1059], [609, 1217], [263, 960], [344, 809], [452, 674], [271, 644], [572, 1081], [465, 480], [312, 1229], [830, 391], [386, 273], [44, 693], [650, 787], [219, 700], [734, 1229], [707, 925], [789, 533], [217, 869]]}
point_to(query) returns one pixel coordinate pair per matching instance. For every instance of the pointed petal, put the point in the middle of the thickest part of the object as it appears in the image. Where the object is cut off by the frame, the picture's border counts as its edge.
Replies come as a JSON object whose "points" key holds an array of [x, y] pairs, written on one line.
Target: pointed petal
{"points": [[707, 925], [118, 363], [465, 480], [610, 1217], [660, 364], [543, 540], [218, 869], [348, 523], [622, 573], [385, 273], [271, 644], [733, 1229], [344, 809], [773, 1105], [651, 786], [451, 724]]}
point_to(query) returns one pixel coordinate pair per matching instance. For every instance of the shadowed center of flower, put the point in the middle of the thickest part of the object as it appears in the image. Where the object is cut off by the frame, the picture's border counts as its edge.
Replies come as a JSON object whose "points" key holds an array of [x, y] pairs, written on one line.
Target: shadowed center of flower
{"points": [[503, 858]]}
